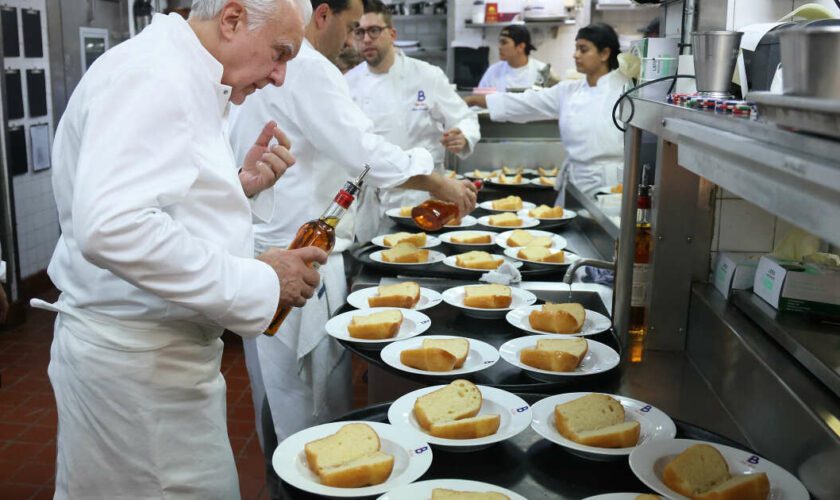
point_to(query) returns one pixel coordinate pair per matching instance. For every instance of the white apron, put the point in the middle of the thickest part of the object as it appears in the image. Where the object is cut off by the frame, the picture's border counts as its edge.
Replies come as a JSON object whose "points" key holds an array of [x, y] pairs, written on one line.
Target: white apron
{"points": [[141, 409]]}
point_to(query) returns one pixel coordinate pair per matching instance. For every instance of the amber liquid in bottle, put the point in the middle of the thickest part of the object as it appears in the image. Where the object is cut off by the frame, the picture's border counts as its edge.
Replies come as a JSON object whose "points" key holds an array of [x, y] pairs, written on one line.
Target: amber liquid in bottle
{"points": [[641, 261], [432, 215], [319, 233]]}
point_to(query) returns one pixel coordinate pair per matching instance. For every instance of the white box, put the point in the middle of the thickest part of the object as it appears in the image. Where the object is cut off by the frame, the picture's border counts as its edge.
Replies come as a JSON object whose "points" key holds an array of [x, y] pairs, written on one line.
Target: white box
{"points": [[650, 48], [734, 271], [789, 285]]}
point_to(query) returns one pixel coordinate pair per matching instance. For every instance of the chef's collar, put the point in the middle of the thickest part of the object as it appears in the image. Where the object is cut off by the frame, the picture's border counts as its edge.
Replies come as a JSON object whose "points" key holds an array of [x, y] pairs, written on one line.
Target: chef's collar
{"points": [[211, 67], [603, 81]]}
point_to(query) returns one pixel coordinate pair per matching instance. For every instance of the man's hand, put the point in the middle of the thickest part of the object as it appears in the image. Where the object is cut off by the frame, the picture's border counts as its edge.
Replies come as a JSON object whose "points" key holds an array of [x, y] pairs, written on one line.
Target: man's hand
{"points": [[297, 280], [4, 304], [454, 141], [462, 193], [264, 165]]}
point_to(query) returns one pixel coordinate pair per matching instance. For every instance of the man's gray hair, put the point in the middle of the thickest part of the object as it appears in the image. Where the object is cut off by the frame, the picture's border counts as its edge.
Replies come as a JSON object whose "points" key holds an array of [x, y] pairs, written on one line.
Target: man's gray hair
{"points": [[259, 11]]}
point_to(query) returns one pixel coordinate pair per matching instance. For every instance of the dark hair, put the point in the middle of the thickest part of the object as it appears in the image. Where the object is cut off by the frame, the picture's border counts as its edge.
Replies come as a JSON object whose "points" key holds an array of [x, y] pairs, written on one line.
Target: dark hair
{"points": [[335, 5], [603, 36], [377, 7], [519, 34]]}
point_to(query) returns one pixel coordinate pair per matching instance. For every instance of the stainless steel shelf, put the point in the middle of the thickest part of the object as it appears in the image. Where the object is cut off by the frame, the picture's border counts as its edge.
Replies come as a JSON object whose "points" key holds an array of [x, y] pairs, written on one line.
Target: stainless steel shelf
{"points": [[419, 17], [794, 176], [526, 23], [621, 8]]}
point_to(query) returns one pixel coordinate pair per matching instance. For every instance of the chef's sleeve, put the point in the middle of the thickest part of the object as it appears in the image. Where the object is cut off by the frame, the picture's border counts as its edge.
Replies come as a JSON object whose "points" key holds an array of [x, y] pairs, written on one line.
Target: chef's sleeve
{"points": [[134, 169], [454, 112], [531, 105]]}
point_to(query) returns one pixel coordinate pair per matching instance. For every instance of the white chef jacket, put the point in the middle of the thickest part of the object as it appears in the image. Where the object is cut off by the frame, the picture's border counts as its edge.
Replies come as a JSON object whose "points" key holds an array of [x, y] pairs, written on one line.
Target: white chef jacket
{"points": [[502, 75], [594, 145], [155, 224], [155, 258], [411, 106], [331, 139]]}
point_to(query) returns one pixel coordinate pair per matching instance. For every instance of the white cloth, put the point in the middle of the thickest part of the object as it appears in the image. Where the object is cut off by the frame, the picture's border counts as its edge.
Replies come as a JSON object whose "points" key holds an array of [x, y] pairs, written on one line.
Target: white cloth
{"points": [[411, 106], [156, 245], [502, 75], [331, 139], [595, 147]]}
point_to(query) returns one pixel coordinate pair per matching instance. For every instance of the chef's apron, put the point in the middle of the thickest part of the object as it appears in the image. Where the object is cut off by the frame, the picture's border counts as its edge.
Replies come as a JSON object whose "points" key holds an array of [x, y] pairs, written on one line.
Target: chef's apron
{"points": [[141, 409], [587, 177]]}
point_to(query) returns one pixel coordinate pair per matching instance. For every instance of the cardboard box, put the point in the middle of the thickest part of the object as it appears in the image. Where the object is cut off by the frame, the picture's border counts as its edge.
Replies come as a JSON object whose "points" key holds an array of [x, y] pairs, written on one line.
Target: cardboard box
{"points": [[653, 48], [790, 285], [734, 271]]}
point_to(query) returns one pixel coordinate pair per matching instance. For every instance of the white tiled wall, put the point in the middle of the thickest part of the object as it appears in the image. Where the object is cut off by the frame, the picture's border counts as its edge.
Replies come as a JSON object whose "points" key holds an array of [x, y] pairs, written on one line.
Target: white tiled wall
{"points": [[37, 221]]}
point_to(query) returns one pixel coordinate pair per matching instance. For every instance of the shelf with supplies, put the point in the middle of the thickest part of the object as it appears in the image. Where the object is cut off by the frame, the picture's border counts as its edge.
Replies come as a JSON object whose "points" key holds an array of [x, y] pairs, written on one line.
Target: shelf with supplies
{"points": [[625, 7], [469, 24], [419, 17]]}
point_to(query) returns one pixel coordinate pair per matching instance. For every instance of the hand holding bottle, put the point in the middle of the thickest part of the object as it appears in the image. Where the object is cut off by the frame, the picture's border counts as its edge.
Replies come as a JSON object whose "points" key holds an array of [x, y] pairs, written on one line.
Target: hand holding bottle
{"points": [[462, 193], [297, 279]]}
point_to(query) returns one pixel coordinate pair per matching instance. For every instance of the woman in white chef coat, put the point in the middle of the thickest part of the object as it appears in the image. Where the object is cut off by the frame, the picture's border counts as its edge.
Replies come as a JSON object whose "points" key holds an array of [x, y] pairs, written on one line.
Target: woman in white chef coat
{"points": [[583, 108]]}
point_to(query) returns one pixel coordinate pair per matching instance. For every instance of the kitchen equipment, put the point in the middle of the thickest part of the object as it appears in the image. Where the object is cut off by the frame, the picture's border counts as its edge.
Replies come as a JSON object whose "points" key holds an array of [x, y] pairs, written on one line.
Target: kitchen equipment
{"points": [[544, 10], [809, 70], [715, 53]]}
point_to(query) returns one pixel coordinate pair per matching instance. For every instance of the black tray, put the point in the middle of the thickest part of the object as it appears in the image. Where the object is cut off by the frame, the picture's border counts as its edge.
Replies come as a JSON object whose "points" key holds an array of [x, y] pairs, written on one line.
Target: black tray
{"points": [[530, 465], [448, 320], [441, 270]]}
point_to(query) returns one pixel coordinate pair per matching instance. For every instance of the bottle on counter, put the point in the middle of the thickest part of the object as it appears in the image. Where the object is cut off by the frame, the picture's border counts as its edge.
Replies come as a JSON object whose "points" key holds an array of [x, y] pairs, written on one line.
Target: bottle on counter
{"points": [[432, 214], [320, 233], [641, 261]]}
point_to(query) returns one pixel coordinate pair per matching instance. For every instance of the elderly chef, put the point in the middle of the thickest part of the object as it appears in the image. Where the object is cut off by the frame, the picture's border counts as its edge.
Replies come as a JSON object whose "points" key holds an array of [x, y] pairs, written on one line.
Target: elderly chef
{"points": [[155, 258], [411, 103], [301, 368], [584, 109]]}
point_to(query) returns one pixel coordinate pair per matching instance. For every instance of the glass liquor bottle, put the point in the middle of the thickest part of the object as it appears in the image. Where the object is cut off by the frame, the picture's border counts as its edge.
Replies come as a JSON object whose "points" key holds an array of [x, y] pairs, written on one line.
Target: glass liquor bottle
{"points": [[641, 261], [320, 233], [432, 214]]}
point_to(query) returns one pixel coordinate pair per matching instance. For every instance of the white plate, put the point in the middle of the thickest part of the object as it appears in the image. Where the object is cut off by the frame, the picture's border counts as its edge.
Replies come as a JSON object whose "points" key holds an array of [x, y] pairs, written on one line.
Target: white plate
{"points": [[482, 355], [488, 205], [557, 241], [414, 323], [428, 298], [450, 261], [434, 257], [526, 222], [655, 426], [615, 496], [471, 174], [599, 358], [519, 298], [648, 461], [595, 322], [412, 458], [466, 221], [515, 418], [431, 241], [422, 490], [447, 238], [536, 182], [395, 212], [567, 215], [570, 257], [495, 181]]}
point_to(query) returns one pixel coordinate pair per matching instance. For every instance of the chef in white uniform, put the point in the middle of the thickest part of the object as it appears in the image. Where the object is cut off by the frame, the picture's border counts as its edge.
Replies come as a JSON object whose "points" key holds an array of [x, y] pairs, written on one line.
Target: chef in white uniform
{"points": [[155, 258], [516, 68], [595, 147], [411, 103], [303, 373]]}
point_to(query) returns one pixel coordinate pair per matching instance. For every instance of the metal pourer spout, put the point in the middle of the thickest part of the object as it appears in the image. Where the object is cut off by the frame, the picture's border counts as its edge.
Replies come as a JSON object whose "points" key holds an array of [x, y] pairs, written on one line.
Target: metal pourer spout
{"points": [[358, 181]]}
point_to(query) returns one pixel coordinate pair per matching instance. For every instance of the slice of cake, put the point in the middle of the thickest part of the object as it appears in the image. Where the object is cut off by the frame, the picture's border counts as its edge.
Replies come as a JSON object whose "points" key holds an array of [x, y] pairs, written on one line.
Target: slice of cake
{"points": [[376, 326], [547, 172], [405, 295], [460, 399], [547, 181], [541, 254], [558, 318], [471, 238], [350, 458], [509, 203], [432, 359], [458, 347], [405, 253], [416, 239], [546, 212], [477, 260], [556, 355], [405, 211], [488, 296], [596, 420], [506, 219], [519, 238]]}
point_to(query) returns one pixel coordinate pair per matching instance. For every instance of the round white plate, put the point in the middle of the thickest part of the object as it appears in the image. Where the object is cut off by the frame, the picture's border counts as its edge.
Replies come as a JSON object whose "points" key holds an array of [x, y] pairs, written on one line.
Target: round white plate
{"points": [[519, 298], [471, 174], [595, 322], [412, 458], [422, 490], [536, 182], [482, 355], [431, 241], [648, 461], [466, 247], [567, 215], [515, 418], [428, 298], [655, 426], [414, 323], [526, 222], [599, 358], [395, 212], [488, 205], [466, 221], [615, 496], [450, 261], [570, 257], [495, 181], [557, 241], [434, 257]]}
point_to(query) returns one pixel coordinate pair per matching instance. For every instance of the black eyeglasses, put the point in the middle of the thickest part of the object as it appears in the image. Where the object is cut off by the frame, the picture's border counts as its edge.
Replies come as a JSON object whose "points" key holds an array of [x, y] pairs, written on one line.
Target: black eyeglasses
{"points": [[372, 31]]}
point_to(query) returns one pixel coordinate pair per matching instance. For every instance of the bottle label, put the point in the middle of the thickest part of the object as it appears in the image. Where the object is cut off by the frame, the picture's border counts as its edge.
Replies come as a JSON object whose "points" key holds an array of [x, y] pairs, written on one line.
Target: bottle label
{"points": [[638, 295]]}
